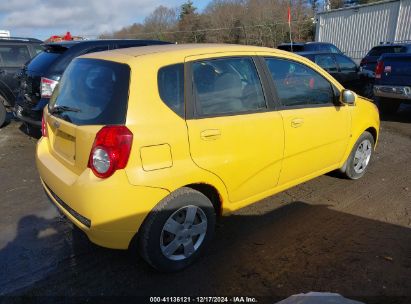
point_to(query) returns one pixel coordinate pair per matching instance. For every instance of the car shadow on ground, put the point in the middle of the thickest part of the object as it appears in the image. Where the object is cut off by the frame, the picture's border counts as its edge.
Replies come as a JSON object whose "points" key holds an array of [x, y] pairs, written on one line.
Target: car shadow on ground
{"points": [[402, 115], [33, 132], [294, 248]]}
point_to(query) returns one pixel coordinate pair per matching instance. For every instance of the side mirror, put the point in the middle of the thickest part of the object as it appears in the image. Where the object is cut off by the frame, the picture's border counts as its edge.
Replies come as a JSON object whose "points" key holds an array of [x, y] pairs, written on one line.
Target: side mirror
{"points": [[348, 97]]}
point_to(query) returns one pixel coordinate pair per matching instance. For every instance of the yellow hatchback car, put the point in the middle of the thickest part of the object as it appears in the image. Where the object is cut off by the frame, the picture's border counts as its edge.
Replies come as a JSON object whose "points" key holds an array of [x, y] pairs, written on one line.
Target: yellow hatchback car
{"points": [[144, 147]]}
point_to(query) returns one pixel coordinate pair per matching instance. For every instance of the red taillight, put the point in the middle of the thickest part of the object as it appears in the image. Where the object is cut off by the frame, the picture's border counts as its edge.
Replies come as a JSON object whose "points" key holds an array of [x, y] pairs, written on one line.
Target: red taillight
{"points": [[111, 150], [379, 69], [47, 87], [44, 132]]}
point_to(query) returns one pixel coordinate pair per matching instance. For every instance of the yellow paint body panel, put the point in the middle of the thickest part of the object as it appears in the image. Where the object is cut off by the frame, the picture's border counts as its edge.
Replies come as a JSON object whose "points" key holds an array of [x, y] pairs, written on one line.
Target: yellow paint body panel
{"points": [[244, 157], [156, 157]]}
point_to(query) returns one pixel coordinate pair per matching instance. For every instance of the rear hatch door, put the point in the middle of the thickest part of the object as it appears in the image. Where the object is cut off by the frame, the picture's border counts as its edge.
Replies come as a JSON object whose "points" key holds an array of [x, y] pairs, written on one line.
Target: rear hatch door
{"points": [[38, 67], [397, 70], [91, 94]]}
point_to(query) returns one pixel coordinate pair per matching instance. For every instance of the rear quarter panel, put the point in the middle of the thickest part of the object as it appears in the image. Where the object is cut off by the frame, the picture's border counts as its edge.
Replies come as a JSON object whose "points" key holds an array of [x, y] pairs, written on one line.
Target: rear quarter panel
{"points": [[161, 134]]}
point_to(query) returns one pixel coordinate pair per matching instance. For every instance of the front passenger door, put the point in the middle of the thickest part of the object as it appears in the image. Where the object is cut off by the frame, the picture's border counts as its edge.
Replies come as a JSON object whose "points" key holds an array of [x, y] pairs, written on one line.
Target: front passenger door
{"points": [[316, 129]]}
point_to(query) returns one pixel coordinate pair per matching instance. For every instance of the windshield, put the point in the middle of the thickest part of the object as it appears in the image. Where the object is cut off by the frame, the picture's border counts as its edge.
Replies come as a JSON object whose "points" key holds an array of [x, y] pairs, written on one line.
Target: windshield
{"points": [[44, 59], [92, 92], [378, 51]]}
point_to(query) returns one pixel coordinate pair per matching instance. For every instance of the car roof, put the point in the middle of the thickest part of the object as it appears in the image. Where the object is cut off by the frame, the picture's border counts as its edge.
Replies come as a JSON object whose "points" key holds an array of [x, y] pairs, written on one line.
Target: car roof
{"points": [[289, 44], [71, 43], [317, 42], [392, 44], [316, 53], [21, 40], [304, 43], [183, 50]]}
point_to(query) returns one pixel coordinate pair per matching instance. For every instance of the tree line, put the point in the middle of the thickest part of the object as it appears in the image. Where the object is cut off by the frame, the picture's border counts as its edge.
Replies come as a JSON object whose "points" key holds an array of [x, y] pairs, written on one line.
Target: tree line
{"points": [[255, 22]]}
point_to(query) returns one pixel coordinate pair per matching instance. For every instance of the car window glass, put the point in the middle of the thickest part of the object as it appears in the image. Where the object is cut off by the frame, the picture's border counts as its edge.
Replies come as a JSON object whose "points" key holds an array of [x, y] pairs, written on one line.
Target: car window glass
{"points": [[327, 62], [225, 86], [324, 48], [334, 49], [295, 47], [171, 87], [99, 48], [65, 60], [379, 50], [345, 63], [97, 89], [310, 47], [14, 55], [297, 84], [38, 49]]}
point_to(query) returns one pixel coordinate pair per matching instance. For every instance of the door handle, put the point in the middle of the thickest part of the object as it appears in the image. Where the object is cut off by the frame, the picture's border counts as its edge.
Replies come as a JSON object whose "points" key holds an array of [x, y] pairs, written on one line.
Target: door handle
{"points": [[297, 122], [210, 134]]}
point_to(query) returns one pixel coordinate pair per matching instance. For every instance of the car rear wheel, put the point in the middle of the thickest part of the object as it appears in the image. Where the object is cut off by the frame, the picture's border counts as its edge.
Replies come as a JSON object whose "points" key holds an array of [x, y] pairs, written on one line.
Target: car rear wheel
{"points": [[177, 231], [389, 106], [3, 112], [360, 156]]}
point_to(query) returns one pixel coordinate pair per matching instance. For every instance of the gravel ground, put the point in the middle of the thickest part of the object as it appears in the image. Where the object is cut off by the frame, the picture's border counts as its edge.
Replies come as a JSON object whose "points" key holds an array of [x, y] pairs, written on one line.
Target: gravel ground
{"points": [[329, 234]]}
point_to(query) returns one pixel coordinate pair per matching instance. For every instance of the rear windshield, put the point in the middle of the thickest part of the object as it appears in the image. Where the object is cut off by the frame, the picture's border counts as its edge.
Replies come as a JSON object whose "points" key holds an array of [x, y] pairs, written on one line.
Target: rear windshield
{"points": [[95, 92], [44, 59], [379, 50]]}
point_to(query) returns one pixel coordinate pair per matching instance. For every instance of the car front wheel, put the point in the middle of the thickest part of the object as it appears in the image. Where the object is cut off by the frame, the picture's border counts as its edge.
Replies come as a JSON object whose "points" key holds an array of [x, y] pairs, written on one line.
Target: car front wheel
{"points": [[360, 156], [177, 231]]}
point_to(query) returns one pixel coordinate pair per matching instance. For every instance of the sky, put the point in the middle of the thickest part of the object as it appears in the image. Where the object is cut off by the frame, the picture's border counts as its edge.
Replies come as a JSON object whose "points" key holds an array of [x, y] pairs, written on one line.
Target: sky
{"points": [[43, 18]]}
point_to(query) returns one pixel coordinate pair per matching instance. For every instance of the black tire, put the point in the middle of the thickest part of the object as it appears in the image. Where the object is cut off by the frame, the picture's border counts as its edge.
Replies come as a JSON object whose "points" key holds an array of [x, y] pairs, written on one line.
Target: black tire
{"points": [[3, 112], [388, 106], [151, 233], [368, 89], [349, 169]]}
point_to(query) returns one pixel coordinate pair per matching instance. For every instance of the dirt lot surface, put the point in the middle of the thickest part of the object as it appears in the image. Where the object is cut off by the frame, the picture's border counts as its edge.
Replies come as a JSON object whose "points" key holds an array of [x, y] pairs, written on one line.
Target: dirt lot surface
{"points": [[329, 234]]}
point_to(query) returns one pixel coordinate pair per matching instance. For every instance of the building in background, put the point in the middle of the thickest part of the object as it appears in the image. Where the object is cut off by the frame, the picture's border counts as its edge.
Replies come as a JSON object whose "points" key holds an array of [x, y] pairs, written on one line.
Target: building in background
{"points": [[4, 33], [356, 29]]}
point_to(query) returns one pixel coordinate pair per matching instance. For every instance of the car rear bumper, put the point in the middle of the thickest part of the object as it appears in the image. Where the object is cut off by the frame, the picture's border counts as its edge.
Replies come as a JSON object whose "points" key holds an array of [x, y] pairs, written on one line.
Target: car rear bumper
{"points": [[18, 113], [109, 211], [394, 92]]}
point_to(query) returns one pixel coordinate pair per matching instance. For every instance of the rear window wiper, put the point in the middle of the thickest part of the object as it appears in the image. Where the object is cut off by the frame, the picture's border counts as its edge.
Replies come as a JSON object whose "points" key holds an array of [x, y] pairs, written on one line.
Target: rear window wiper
{"points": [[61, 109]]}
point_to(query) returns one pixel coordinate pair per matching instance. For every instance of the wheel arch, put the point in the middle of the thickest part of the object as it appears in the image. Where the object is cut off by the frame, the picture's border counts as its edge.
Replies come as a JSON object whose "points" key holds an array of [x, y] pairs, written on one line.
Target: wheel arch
{"points": [[212, 194], [7, 94], [373, 132], [368, 128]]}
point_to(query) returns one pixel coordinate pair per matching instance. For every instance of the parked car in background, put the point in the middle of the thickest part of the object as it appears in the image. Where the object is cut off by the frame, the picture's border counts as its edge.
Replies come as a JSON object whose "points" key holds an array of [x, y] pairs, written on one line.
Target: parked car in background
{"points": [[369, 62], [143, 148], [393, 81], [341, 67], [309, 47], [14, 53], [41, 75]]}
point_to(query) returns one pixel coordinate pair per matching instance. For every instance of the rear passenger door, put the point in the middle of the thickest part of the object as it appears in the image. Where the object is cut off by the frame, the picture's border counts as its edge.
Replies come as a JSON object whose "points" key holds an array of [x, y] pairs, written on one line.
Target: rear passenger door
{"points": [[233, 131], [316, 129]]}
